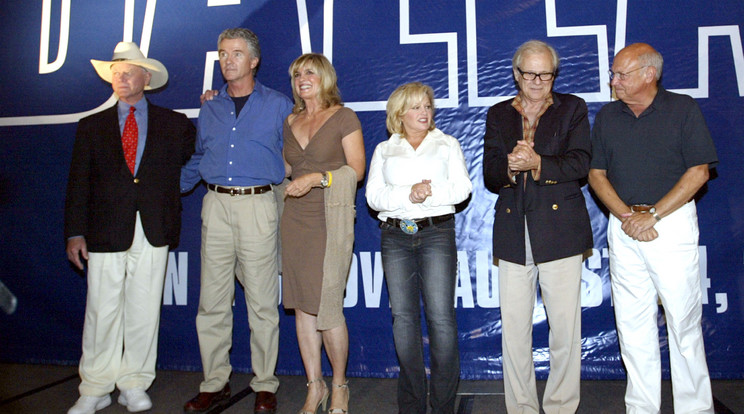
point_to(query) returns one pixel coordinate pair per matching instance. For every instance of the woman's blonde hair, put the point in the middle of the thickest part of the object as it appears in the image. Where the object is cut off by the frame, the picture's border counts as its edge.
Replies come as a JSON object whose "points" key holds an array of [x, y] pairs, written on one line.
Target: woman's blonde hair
{"points": [[329, 94], [401, 100]]}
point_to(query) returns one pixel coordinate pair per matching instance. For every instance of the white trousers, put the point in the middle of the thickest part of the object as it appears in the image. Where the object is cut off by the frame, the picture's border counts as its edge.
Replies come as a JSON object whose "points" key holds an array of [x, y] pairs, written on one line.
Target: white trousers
{"points": [[122, 317], [642, 272], [560, 287]]}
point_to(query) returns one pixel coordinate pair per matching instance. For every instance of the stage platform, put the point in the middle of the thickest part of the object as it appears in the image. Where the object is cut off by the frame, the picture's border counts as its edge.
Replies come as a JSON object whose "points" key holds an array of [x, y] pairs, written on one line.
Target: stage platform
{"points": [[29, 389]]}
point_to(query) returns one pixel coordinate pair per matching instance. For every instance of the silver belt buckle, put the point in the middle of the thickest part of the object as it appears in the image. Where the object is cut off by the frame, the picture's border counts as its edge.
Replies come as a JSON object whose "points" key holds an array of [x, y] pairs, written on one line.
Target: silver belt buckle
{"points": [[408, 226]]}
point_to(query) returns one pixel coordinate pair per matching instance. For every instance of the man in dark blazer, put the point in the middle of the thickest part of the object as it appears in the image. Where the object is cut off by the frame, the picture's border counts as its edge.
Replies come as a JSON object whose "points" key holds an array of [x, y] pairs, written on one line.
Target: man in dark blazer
{"points": [[537, 152], [122, 213]]}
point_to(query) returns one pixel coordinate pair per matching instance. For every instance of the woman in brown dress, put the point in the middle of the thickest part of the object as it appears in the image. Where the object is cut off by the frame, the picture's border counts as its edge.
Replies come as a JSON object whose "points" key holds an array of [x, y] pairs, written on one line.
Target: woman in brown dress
{"points": [[324, 157]]}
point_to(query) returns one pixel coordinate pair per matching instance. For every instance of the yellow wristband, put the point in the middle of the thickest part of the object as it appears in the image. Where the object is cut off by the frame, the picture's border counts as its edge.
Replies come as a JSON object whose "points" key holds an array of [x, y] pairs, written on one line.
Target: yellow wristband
{"points": [[330, 178]]}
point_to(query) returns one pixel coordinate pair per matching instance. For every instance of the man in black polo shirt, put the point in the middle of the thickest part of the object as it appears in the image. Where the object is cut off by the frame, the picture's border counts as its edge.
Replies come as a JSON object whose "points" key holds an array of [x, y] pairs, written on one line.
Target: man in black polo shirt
{"points": [[651, 154]]}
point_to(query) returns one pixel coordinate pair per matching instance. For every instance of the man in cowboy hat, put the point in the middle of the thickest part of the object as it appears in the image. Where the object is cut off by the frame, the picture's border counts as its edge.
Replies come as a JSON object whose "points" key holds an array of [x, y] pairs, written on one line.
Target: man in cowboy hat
{"points": [[122, 213]]}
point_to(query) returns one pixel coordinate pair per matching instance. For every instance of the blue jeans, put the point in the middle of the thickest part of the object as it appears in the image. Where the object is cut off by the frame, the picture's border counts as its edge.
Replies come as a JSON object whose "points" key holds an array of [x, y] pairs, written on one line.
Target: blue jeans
{"points": [[423, 265]]}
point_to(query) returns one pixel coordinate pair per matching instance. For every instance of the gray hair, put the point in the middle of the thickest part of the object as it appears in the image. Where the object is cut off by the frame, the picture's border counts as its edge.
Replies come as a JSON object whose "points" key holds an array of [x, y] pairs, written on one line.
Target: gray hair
{"points": [[535, 46], [250, 39], [652, 58]]}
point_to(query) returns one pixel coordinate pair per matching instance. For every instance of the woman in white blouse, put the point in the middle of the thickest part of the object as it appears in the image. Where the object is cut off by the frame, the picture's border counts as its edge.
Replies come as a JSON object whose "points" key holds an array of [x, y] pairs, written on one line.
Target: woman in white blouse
{"points": [[415, 180]]}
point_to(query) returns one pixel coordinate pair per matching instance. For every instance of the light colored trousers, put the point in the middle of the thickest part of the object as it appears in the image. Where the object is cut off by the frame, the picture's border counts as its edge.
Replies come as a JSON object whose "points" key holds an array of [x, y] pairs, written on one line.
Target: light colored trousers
{"points": [[123, 307], [642, 272], [560, 287], [239, 238]]}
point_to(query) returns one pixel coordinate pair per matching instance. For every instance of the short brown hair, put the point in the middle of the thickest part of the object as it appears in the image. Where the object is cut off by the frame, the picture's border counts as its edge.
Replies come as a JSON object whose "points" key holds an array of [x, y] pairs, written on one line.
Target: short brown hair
{"points": [[251, 40]]}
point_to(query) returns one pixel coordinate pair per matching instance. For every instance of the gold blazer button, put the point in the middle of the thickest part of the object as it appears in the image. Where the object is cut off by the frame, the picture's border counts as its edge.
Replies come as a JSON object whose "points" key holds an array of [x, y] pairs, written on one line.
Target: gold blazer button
{"points": [[555, 206]]}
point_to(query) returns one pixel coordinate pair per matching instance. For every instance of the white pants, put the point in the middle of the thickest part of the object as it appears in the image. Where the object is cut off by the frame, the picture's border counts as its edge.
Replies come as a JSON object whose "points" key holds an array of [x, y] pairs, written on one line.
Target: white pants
{"points": [[123, 307], [642, 272]]}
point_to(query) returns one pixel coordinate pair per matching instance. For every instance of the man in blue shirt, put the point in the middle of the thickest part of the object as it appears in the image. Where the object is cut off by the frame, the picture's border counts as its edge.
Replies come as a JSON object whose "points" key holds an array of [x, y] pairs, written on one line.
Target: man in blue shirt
{"points": [[239, 156]]}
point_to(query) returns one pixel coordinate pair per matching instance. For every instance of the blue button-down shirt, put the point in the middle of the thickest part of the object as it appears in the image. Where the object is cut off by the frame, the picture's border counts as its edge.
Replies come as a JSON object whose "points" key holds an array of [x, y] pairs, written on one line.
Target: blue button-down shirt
{"points": [[140, 115], [243, 151]]}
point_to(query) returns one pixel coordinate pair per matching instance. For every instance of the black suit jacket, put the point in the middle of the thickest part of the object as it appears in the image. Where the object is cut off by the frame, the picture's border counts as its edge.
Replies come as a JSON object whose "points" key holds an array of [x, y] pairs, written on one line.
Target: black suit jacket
{"points": [[554, 205], [103, 196]]}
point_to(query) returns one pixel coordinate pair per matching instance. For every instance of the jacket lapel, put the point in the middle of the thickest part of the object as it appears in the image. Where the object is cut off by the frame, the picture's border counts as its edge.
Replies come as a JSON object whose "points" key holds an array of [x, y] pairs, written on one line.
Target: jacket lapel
{"points": [[152, 134]]}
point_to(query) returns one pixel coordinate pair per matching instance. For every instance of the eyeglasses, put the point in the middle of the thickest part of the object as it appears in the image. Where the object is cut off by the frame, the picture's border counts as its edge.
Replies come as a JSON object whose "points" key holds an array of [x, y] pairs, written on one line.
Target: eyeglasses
{"points": [[622, 76], [546, 76]]}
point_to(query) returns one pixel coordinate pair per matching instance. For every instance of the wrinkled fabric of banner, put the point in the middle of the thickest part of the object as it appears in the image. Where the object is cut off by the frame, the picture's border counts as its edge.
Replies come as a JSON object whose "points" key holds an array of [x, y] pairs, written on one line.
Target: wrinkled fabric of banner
{"points": [[462, 49]]}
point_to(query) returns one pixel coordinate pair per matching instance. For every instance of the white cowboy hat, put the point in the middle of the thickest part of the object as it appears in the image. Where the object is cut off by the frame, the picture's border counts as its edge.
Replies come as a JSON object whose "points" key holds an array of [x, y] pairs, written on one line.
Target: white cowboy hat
{"points": [[129, 52]]}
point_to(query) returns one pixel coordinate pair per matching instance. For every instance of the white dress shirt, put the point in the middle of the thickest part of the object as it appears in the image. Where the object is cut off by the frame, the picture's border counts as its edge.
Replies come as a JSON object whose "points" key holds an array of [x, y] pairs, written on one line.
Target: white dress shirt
{"points": [[396, 167]]}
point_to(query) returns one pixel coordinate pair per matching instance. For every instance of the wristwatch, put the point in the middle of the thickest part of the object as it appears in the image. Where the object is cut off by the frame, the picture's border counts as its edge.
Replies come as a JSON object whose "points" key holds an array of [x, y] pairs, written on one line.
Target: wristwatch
{"points": [[324, 180], [653, 212]]}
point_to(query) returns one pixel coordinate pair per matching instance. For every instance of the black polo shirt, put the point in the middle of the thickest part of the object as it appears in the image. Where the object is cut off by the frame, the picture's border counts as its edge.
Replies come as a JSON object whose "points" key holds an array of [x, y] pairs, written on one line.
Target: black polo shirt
{"points": [[645, 156]]}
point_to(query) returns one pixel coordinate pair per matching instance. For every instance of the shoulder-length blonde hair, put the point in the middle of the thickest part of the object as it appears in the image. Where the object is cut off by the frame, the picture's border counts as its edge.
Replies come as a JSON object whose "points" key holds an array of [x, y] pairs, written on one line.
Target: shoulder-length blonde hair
{"points": [[401, 100], [329, 94]]}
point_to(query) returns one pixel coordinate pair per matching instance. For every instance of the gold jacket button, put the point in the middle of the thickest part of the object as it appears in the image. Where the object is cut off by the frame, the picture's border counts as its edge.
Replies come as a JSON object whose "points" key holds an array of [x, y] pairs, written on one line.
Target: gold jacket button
{"points": [[555, 206], [136, 180], [508, 210]]}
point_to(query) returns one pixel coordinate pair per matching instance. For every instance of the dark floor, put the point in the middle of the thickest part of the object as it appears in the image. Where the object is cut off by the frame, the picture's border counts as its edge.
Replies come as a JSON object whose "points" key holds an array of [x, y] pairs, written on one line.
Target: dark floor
{"points": [[53, 389]]}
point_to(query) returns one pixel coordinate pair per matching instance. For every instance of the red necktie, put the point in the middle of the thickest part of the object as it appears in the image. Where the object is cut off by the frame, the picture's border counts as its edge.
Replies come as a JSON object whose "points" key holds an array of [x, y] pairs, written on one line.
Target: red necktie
{"points": [[129, 139]]}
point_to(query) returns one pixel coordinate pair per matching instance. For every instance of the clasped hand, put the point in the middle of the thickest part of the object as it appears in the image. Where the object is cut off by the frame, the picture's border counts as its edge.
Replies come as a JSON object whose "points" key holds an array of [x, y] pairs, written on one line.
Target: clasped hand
{"points": [[420, 191], [523, 157], [639, 226]]}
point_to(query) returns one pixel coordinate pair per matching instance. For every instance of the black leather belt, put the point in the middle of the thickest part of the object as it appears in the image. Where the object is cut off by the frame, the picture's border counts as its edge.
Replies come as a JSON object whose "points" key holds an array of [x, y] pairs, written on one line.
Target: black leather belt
{"points": [[419, 223], [641, 208], [233, 191]]}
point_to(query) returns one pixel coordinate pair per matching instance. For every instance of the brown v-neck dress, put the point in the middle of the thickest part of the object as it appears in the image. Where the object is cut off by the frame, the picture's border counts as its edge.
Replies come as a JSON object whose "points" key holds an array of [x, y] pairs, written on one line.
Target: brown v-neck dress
{"points": [[303, 228]]}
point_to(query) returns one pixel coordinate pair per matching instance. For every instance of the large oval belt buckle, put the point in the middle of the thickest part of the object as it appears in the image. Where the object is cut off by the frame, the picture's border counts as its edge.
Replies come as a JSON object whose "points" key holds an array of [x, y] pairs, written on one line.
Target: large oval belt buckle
{"points": [[408, 226]]}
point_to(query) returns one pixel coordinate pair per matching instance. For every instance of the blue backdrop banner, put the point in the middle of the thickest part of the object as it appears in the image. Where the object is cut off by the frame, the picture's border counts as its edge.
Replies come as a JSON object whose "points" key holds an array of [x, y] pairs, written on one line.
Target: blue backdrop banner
{"points": [[462, 49]]}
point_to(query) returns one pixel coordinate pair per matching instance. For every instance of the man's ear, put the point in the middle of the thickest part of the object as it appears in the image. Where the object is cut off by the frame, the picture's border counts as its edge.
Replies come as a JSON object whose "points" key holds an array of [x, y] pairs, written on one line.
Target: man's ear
{"points": [[650, 74]]}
